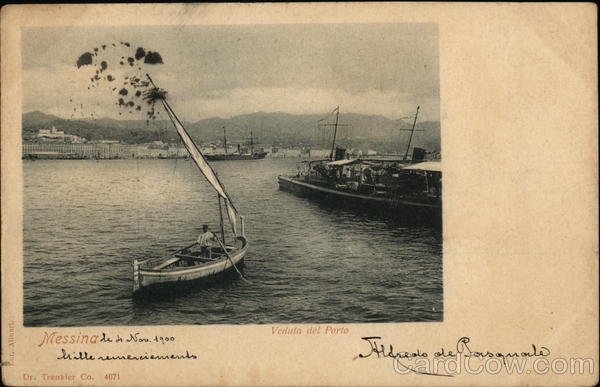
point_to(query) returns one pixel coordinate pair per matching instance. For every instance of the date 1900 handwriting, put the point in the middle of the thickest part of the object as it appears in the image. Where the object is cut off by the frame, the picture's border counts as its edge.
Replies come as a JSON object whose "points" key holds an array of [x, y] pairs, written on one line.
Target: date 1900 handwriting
{"points": [[97, 340], [462, 348], [54, 338]]}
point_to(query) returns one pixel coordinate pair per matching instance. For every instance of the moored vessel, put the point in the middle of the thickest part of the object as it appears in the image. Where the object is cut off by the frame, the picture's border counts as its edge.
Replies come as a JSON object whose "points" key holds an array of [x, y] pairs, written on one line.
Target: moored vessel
{"points": [[246, 152], [406, 189]]}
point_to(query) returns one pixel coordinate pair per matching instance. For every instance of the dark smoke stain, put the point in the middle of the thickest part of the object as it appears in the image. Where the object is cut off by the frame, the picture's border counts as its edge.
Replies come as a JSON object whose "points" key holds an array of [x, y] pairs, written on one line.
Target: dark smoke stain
{"points": [[140, 53], [139, 88], [84, 59], [153, 57]]}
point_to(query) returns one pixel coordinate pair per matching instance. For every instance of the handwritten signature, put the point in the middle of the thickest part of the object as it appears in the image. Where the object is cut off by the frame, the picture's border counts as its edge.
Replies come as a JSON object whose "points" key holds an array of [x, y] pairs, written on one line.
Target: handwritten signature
{"points": [[462, 348]]}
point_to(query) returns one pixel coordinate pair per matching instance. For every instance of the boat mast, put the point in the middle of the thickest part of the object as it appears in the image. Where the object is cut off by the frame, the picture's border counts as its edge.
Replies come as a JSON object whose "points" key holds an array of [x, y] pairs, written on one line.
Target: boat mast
{"points": [[337, 114], [221, 219], [225, 139], [251, 143], [411, 134]]}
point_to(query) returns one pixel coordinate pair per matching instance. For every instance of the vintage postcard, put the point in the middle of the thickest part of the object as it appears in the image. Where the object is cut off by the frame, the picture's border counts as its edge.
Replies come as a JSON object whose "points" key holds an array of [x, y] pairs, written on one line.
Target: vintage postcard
{"points": [[299, 194]]}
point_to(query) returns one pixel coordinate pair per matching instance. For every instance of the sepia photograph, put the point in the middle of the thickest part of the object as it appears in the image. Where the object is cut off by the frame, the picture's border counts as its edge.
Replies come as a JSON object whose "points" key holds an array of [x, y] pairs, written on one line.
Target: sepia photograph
{"points": [[241, 174], [237, 194]]}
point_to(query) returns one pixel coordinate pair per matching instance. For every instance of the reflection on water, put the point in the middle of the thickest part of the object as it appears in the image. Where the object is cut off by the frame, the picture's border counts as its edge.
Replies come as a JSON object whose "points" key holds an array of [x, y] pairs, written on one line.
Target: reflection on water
{"points": [[85, 221]]}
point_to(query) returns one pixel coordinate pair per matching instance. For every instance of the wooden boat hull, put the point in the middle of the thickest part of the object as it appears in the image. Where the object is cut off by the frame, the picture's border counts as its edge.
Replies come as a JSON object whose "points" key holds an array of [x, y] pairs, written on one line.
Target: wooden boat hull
{"points": [[145, 278], [401, 209]]}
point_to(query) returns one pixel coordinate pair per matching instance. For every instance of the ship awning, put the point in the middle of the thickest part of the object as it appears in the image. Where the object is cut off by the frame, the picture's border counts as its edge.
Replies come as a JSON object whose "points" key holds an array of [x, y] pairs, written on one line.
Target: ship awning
{"points": [[431, 166], [313, 161], [343, 162]]}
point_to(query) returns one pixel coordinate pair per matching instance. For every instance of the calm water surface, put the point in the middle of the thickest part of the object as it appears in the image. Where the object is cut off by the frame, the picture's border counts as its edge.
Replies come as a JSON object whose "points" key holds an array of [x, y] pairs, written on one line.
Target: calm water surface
{"points": [[85, 221]]}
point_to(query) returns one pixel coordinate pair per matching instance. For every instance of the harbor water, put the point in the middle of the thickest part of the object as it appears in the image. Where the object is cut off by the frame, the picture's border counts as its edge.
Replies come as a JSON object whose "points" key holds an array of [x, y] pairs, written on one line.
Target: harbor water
{"points": [[84, 222]]}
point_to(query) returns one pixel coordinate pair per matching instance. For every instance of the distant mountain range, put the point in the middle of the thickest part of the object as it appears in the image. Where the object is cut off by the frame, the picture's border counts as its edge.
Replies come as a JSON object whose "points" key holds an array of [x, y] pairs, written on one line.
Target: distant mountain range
{"points": [[281, 129]]}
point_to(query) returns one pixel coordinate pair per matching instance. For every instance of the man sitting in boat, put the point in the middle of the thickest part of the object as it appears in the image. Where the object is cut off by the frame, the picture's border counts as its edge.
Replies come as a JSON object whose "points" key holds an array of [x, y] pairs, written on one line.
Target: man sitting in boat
{"points": [[204, 241]]}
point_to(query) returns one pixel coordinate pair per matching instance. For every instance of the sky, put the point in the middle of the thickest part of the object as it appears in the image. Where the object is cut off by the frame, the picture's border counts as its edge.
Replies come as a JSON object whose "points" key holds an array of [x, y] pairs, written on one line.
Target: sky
{"points": [[227, 70]]}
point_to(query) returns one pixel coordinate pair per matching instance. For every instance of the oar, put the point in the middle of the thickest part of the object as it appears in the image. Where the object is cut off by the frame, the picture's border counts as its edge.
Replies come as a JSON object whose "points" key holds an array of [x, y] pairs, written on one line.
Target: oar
{"points": [[176, 252], [186, 247], [230, 260], [183, 249]]}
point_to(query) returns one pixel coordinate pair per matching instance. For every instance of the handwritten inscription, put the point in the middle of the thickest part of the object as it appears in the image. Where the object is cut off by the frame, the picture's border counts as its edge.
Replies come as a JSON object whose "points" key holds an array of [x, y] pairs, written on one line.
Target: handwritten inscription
{"points": [[462, 348], [79, 339], [51, 338], [84, 355]]}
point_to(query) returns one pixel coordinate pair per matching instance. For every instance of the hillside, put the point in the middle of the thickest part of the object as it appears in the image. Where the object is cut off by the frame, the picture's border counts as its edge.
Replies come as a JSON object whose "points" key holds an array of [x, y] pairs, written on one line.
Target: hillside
{"points": [[282, 129]]}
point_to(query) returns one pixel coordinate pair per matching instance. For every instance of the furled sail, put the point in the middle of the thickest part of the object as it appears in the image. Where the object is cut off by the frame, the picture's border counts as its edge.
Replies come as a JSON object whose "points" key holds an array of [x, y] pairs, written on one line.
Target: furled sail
{"points": [[203, 165], [232, 215]]}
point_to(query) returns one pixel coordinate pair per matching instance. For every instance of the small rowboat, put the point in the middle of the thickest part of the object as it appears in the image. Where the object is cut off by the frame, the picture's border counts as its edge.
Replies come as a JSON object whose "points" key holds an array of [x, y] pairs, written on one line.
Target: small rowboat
{"points": [[191, 263], [188, 264]]}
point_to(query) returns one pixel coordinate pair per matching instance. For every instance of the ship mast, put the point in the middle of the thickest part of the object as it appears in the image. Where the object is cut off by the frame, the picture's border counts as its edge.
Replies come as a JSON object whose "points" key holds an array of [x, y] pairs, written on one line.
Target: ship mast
{"points": [[251, 143], [411, 134], [337, 114], [225, 139]]}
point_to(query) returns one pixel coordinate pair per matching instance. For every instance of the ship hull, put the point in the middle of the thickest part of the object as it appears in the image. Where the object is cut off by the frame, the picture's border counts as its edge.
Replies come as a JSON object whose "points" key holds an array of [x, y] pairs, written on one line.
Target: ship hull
{"points": [[232, 156], [404, 210]]}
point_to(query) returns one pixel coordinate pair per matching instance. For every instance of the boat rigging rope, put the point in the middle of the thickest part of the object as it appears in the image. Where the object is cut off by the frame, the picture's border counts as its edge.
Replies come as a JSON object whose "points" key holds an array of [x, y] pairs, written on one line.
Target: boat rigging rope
{"points": [[168, 192], [137, 208]]}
